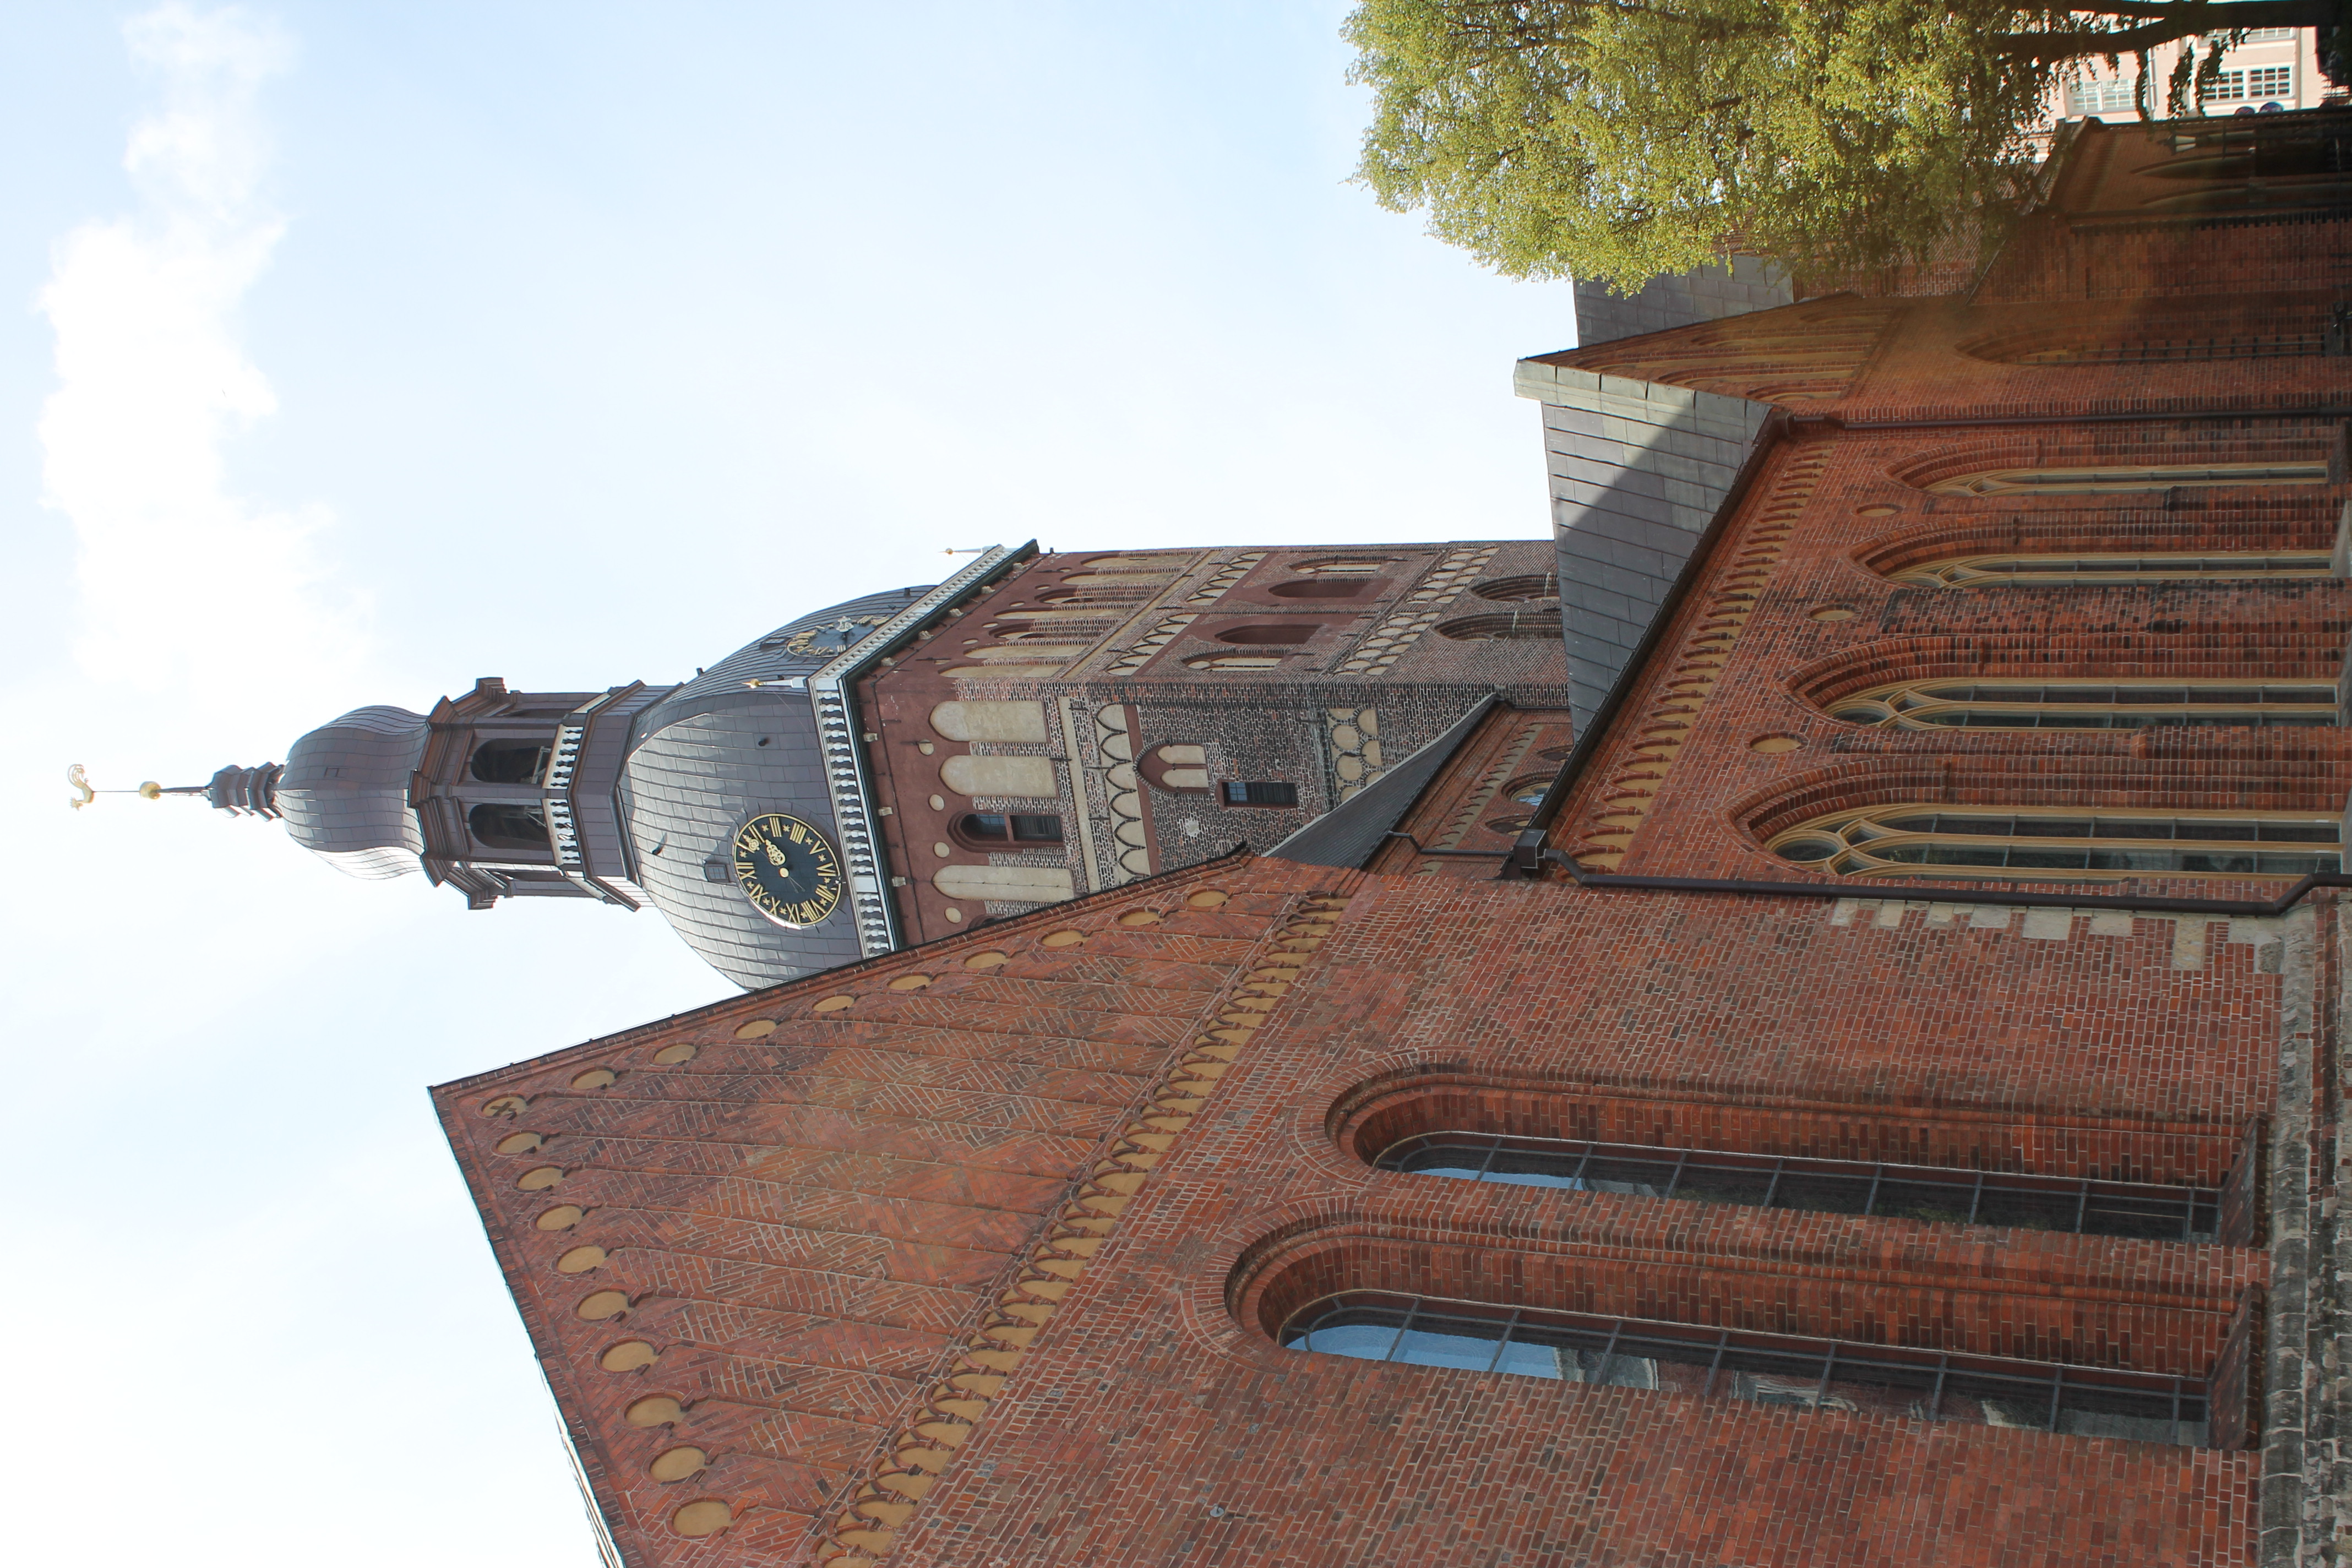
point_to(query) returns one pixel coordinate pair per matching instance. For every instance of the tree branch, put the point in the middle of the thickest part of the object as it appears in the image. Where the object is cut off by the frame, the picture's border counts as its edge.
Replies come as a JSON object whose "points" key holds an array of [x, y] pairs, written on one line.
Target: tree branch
{"points": [[2172, 23]]}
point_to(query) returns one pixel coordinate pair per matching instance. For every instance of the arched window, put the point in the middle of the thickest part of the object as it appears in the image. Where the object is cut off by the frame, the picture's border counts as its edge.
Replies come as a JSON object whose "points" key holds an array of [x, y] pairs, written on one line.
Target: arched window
{"points": [[1519, 625], [2145, 566], [1517, 590], [504, 824], [2089, 705], [1176, 768], [509, 761], [1518, 800], [1329, 588], [1937, 1194], [995, 829], [1270, 634], [1342, 565], [1920, 840], [2102, 479], [1787, 1370]]}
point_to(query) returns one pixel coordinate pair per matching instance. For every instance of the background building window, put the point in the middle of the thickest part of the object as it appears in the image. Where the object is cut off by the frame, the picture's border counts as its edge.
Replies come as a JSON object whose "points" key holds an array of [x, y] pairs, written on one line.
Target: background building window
{"points": [[1934, 841], [503, 824], [509, 761], [2250, 84], [2122, 705], [2148, 566], [1258, 792], [2115, 95], [989, 828]]}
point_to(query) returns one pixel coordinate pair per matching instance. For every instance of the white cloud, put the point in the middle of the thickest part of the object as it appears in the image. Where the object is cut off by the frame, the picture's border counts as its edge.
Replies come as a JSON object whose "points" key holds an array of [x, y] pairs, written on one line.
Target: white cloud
{"points": [[186, 585]]}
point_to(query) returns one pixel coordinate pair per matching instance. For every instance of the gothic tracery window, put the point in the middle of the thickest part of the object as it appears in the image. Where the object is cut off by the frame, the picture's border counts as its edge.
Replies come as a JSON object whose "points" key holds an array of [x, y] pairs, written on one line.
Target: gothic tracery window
{"points": [[2142, 567], [1985, 704], [1934, 841], [2103, 479]]}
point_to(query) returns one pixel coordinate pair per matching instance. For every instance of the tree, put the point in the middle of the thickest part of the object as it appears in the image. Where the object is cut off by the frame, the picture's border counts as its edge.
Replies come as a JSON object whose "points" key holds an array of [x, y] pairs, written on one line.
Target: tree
{"points": [[1617, 139]]}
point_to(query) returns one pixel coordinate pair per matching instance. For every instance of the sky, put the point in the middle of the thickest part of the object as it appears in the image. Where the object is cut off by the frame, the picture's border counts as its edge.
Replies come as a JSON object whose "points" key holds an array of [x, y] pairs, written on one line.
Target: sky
{"points": [[358, 350]]}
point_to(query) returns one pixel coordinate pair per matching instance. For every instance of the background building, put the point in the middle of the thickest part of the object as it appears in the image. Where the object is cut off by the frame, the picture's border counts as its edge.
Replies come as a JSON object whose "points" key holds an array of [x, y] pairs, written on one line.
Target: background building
{"points": [[1879, 1100]]}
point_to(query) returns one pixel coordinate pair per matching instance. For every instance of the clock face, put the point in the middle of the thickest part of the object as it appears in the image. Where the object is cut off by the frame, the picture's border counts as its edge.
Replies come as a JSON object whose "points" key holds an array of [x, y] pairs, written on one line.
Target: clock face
{"points": [[787, 869]]}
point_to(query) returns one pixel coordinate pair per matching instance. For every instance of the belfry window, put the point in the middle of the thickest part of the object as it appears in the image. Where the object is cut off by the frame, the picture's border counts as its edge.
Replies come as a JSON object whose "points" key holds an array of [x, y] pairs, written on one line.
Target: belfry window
{"points": [[503, 824], [1787, 1370], [1942, 1195], [509, 761], [2076, 846], [2146, 566], [1258, 792], [992, 827], [2085, 705], [2121, 478]]}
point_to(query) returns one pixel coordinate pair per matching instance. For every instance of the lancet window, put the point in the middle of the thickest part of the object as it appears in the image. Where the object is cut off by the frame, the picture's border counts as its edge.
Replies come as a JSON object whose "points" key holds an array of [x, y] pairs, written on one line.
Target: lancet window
{"points": [[1787, 1370], [2089, 705], [1939, 1193], [1921, 841], [2143, 566], [2101, 480]]}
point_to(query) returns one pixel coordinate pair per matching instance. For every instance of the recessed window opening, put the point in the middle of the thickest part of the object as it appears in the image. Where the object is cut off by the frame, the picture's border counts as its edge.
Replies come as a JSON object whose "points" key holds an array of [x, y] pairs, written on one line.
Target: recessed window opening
{"points": [[1934, 841], [1269, 636], [1540, 626], [1257, 792], [2147, 566], [509, 761], [2100, 480], [1517, 590], [501, 824], [1937, 1194], [1343, 565], [1232, 661], [1334, 587], [1787, 1370], [1008, 827], [2120, 705]]}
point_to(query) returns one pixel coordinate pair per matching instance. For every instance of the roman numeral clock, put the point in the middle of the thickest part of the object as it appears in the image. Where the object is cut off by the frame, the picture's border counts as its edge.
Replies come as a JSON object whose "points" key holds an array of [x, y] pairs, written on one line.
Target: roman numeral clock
{"points": [[788, 869]]}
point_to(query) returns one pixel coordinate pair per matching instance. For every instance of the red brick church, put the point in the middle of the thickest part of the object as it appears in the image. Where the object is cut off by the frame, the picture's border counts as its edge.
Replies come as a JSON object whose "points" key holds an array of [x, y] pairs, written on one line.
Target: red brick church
{"points": [[1880, 944]]}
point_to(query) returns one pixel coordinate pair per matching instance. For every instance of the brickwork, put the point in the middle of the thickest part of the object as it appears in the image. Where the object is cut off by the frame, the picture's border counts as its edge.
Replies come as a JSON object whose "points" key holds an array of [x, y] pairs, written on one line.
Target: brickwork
{"points": [[983, 1254]]}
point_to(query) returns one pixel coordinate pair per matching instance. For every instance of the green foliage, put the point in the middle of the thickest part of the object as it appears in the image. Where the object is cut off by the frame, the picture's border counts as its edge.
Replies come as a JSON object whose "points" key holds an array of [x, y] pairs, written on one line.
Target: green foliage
{"points": [[1617, 139]]}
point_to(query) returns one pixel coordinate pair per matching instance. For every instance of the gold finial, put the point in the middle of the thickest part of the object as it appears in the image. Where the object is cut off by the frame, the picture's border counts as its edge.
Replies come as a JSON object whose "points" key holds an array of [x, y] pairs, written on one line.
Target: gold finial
{"points": [[83, 794]]}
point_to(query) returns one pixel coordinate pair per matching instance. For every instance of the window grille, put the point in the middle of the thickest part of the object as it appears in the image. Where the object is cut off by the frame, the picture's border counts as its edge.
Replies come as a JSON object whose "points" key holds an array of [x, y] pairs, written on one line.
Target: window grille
{"points": [[2102, 479], [1788, 1370], [2118, 95], [1258, 792], [2082, 705], [1933, 841], [1937, 1194], [2150, 566]]}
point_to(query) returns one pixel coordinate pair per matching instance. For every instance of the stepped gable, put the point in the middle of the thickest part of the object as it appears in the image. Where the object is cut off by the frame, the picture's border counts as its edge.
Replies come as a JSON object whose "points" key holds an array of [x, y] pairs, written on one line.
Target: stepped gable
{"points": [[749, 1241]]}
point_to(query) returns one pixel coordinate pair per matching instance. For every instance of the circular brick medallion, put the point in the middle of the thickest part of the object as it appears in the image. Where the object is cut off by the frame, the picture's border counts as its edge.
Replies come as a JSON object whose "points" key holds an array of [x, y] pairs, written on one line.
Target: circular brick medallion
{"points": [[581, 1260], [562, 1217], [706, 1516], [670, 1056], [539, 1178], [628, 1356], [1773, 745], [597, 1078], [599, 1305], [676, 1464], [655, 1410]]}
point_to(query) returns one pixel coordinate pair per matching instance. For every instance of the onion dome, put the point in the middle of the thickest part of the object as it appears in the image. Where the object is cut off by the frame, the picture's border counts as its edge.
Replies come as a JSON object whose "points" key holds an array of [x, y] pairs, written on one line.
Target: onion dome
{"points": [[740, 739], [344, 792]]}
